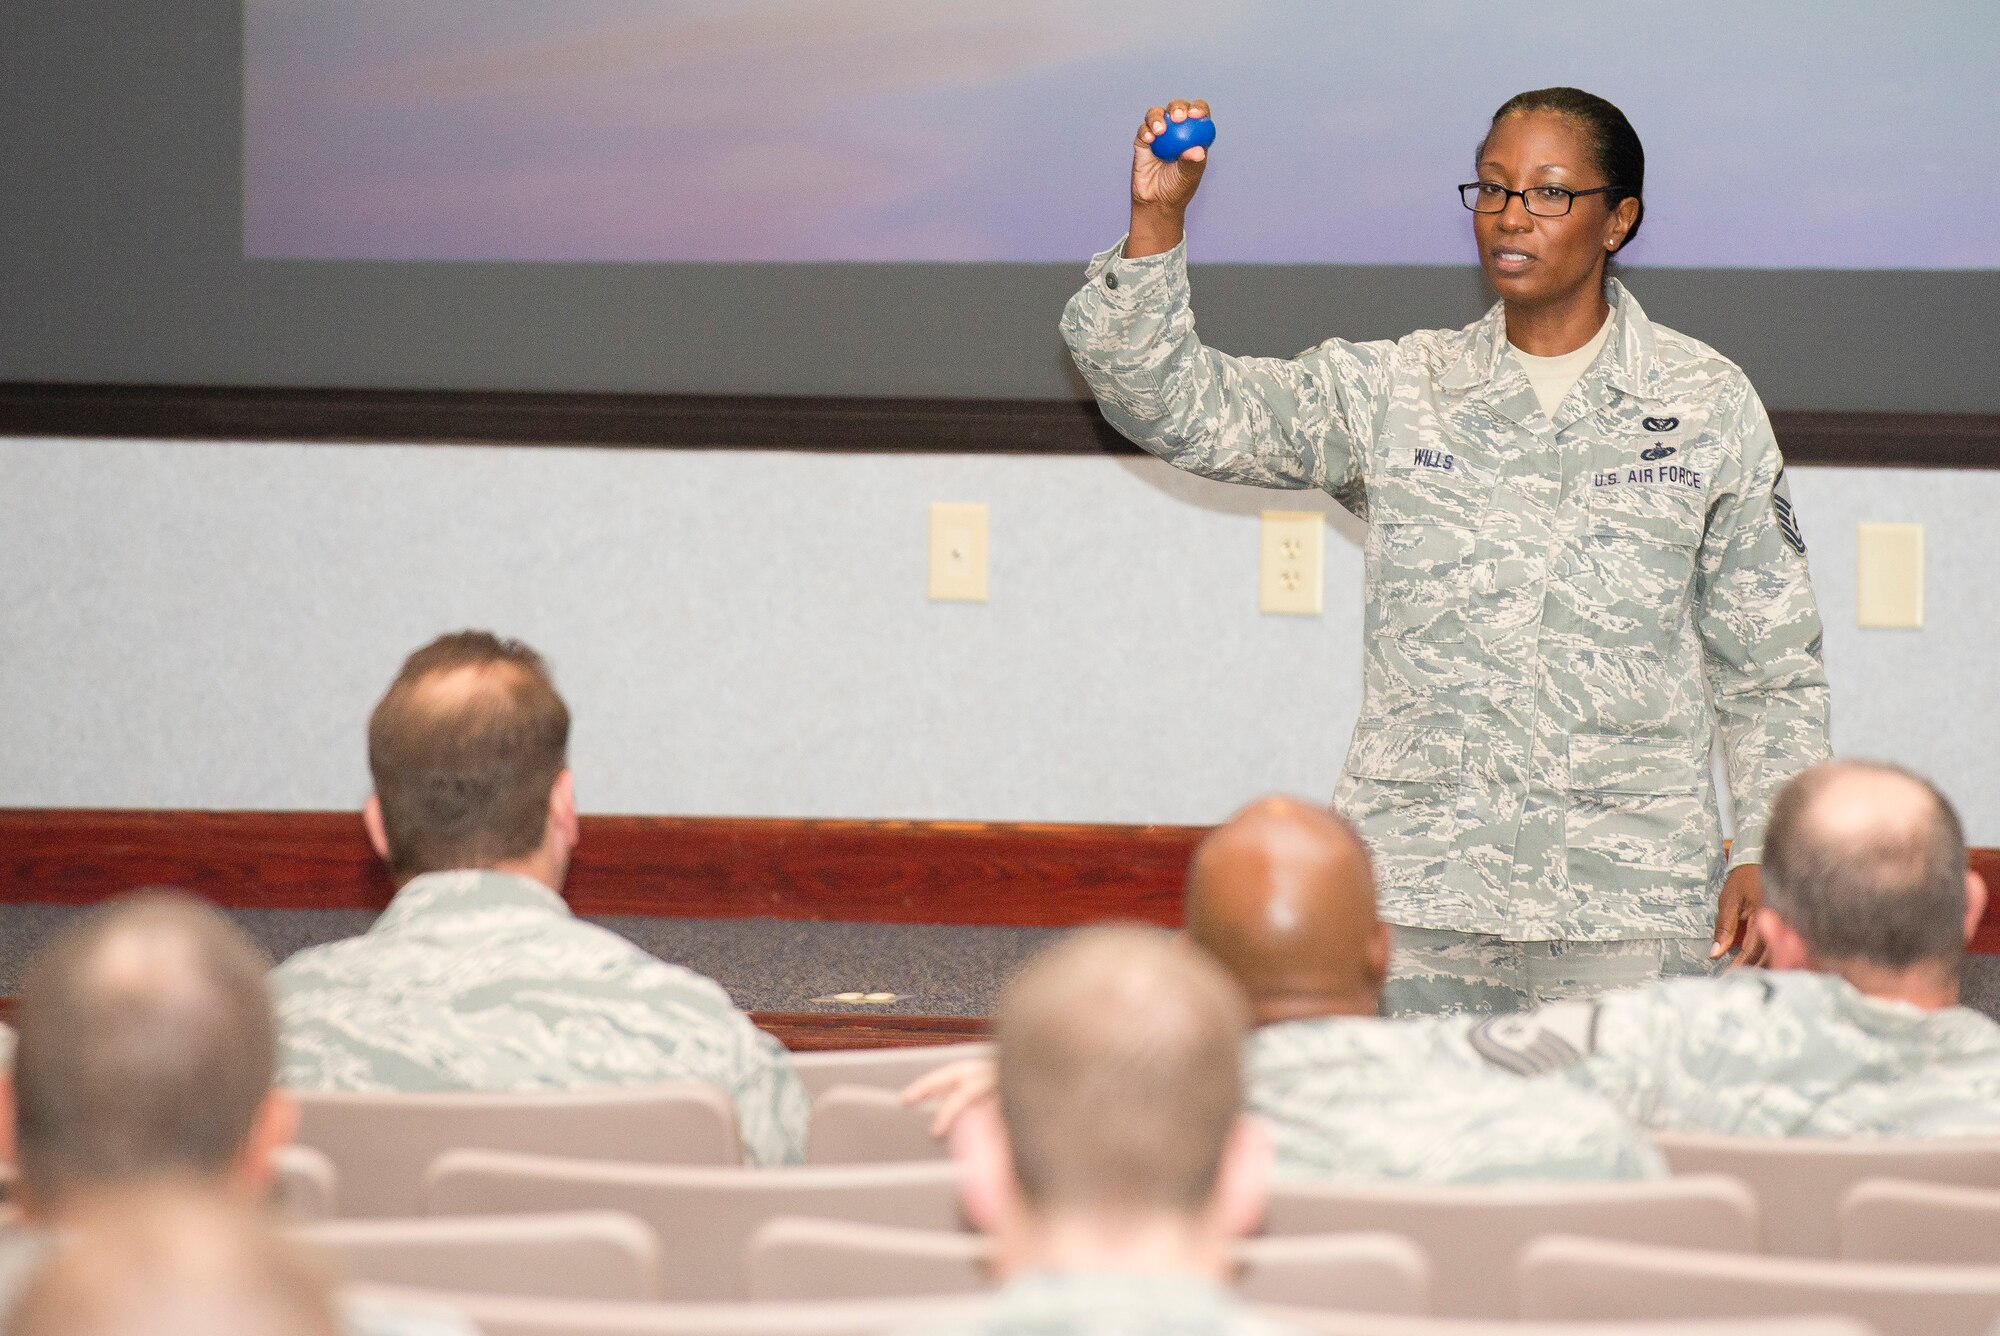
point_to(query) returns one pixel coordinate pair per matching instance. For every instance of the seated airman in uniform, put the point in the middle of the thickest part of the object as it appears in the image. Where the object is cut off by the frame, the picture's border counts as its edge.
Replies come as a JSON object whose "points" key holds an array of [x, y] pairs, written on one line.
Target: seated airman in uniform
{"points": [[1855, 1030], [477, 976], [1283, 896], [1114, 1172], [144, 1058]]}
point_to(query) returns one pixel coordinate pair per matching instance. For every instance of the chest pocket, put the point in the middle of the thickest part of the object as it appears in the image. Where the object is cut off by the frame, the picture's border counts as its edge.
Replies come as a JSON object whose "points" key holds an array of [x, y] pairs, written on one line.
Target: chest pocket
{"points": [[1639, 548], [1423, 535]]}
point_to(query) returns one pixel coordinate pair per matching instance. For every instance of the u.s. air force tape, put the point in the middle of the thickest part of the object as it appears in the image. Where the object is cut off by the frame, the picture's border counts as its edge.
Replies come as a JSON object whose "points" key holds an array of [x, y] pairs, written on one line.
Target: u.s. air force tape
{"points": [[1533, 1043]]}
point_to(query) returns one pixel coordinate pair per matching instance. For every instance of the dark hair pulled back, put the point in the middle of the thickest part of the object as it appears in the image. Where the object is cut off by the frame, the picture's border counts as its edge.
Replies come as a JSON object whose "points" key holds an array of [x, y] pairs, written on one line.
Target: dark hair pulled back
{"points": [[1620, 156]]}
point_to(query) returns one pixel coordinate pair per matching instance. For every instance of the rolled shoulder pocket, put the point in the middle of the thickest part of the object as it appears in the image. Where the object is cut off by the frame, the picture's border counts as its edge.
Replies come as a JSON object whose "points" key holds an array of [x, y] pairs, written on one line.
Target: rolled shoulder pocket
{"points": [[1638, 816], [1399, 786]]}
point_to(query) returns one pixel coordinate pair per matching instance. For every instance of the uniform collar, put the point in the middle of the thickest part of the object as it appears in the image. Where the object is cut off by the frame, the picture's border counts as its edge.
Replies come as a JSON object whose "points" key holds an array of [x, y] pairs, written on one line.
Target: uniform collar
{"points": [[1885, 1017], [466, 891], [1889, 1016], [1629, 362]]}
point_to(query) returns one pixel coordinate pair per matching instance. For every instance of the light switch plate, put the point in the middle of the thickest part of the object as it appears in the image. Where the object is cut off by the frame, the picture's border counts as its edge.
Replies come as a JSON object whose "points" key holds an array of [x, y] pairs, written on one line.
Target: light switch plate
{"points": [[1889, 590], [1292, 566], [958, 553]]}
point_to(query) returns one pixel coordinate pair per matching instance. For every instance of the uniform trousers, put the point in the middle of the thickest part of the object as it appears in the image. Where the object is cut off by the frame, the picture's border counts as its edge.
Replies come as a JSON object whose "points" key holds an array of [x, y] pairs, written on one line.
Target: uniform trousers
{"points": [[1433, 971]]}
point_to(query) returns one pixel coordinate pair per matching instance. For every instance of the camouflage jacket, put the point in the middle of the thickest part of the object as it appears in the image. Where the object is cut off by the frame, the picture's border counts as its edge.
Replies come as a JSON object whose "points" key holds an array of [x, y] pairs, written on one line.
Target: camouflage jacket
{"points": [[484, 981], [1362, 1100], [1104, 1303], [1559, 613], [1766, 1054]]}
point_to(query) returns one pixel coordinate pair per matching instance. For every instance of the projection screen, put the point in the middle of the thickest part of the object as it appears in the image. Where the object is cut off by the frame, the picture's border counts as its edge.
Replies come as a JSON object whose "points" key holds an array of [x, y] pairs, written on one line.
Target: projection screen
{"points": [[882, 198]]}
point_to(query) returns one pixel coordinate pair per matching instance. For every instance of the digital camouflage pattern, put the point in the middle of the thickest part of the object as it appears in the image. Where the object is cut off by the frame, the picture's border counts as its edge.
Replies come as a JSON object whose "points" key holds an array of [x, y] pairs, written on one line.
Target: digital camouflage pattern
{"points": [[1433, 972], [484, 981], [1105, 1303], [1356, 1099], [1559, 613], [1765, 1054]]}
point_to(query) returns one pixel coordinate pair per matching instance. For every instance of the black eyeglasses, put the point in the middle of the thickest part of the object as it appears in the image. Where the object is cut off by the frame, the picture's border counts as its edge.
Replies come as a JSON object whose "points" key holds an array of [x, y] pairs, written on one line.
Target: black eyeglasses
{"points": [[1541, 201]]}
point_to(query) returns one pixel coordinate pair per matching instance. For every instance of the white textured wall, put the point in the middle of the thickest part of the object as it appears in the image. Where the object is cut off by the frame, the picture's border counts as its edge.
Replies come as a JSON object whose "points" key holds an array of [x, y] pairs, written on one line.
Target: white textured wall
{"points": [[747, 633]]}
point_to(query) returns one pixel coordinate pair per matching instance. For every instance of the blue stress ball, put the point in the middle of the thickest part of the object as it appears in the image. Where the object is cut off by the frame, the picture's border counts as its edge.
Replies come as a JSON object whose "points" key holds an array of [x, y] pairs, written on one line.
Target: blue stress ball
{"points": [[1180, 136]]}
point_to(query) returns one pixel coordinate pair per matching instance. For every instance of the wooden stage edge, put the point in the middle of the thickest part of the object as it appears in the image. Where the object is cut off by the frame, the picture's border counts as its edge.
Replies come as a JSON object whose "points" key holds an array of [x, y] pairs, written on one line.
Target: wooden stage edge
{"points": [[815, 1031], [939, 872], [807, 1031]]}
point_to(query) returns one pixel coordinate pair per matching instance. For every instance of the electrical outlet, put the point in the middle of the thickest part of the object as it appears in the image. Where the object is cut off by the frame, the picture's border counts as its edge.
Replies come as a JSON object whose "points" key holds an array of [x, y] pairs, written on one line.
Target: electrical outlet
{"points": [[1292, 568], [958, 553]]}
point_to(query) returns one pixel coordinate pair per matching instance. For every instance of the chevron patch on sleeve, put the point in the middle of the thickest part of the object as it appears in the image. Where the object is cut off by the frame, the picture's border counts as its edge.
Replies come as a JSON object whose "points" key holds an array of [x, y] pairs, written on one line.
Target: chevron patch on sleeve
{"points": [[1788, 519]]}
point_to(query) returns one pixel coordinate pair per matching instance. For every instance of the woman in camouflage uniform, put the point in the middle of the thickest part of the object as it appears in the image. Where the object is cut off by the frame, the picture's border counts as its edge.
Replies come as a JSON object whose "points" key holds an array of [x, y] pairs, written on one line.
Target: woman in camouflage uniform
{"points": [[1582, 568]]}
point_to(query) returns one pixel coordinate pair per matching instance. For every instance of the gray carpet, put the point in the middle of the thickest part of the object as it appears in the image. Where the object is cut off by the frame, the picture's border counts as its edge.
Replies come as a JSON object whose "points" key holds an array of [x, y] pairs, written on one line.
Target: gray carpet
{"points": [[766, 964]]}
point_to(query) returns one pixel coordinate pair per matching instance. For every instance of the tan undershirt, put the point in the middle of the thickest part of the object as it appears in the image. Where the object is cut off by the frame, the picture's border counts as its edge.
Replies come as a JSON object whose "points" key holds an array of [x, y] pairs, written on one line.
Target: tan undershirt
{"points": [[1552, 378]]}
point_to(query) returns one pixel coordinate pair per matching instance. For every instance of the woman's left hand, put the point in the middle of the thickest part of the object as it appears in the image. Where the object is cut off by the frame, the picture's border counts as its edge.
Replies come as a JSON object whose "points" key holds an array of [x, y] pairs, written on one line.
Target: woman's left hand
{"points": [[1736, 916]]}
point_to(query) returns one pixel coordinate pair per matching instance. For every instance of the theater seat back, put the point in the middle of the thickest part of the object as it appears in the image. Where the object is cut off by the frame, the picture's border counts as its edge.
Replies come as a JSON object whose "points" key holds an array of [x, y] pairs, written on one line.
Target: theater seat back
{"points": [[382, 1143]]}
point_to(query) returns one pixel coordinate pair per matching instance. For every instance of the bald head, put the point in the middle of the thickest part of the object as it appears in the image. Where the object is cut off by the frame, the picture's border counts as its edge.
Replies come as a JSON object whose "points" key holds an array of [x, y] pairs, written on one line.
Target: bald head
{"points": [[171, 1261], [1867, 864], [465, 749], [1283, 894], [1120, 1073], [146, 1048]]}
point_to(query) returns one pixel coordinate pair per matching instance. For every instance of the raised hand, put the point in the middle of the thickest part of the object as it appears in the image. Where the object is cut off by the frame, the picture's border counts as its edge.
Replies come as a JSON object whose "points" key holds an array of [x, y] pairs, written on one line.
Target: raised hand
{"points": [[956, 1087], [1161, 190]]}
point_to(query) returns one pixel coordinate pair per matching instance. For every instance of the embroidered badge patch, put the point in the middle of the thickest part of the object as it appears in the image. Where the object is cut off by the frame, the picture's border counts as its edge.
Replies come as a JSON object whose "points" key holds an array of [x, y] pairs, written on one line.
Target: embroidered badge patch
{"points": [[1662, 424], [1788, 519], [1657, 452], [1535, 1043]]}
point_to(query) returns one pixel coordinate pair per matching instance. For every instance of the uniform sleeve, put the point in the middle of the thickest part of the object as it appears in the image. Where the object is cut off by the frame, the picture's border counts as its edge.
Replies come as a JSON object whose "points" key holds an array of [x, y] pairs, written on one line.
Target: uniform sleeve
{"points": [[1588, 1139], [1760, 630], [697, 1034], [1635, 1037], [1612, 1046], [1273, 422], [771, 1103]]}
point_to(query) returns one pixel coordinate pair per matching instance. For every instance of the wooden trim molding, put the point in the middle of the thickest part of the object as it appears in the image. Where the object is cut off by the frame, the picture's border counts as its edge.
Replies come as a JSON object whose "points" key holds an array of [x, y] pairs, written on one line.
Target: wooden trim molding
{"points": [[772, 422], [1986, 941], [808, 1031], [944, 872]]}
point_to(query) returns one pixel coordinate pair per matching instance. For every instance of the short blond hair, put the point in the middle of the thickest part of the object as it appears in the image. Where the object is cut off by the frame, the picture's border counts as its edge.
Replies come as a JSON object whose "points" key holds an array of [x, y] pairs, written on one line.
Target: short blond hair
{"points": [[1120, 1073]]}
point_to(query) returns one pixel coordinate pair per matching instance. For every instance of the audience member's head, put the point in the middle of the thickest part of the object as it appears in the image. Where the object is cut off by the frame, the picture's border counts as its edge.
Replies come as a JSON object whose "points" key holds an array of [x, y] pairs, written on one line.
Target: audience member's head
{"points": [[1283, 895], [167, 1261], [146, 1051], [1865, 876], [469, 752], [1117, 1134]]}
